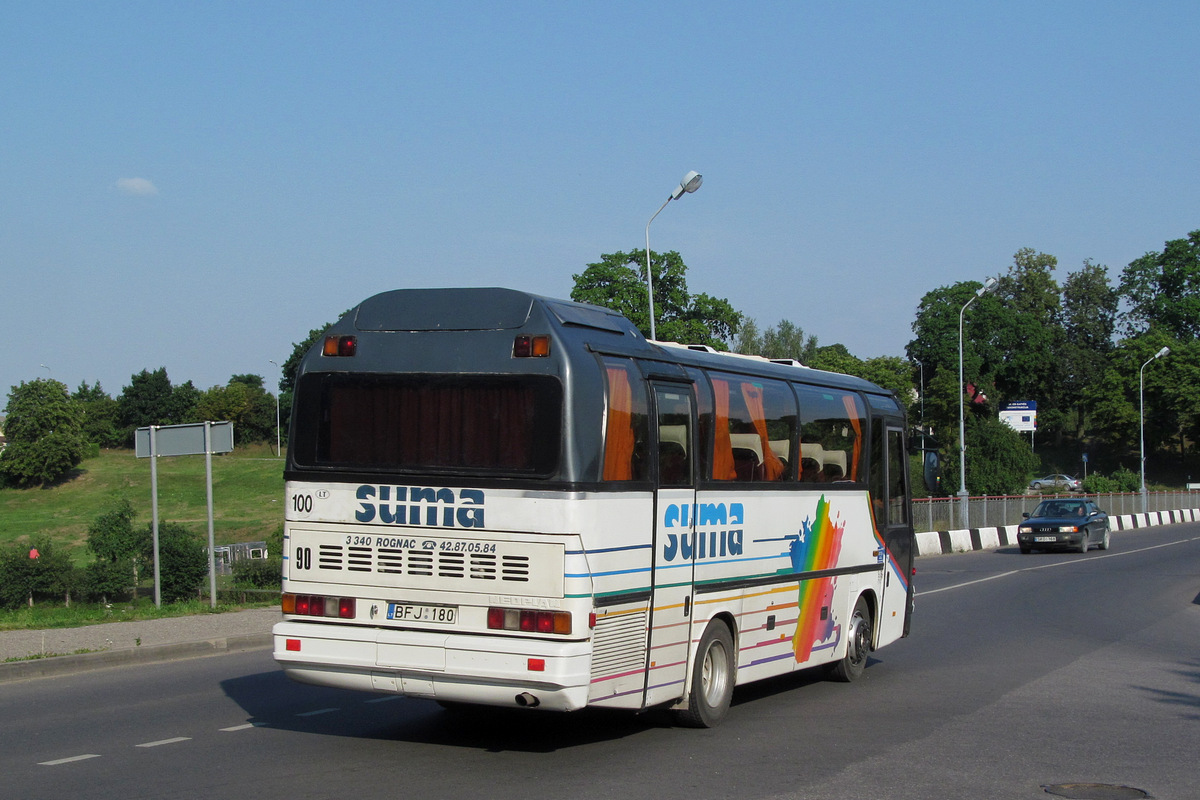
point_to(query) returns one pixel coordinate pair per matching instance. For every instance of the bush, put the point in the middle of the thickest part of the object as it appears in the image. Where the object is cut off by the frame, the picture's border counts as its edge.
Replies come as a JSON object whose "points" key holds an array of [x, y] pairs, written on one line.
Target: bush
{"points": [[16, 577], [182, 562], [107, 580], [1122, 480], [258, 573], [24, 578]]}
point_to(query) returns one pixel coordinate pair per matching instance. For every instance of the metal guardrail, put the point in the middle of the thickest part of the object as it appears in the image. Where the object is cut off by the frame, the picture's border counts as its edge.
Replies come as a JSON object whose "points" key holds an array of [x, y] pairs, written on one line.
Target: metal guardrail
{"points": [[942, 514]]}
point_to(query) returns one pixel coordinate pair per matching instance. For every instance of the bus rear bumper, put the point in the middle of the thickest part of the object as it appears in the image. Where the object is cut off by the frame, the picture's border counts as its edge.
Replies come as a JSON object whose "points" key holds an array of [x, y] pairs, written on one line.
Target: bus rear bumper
{"points": [[490, 670]]}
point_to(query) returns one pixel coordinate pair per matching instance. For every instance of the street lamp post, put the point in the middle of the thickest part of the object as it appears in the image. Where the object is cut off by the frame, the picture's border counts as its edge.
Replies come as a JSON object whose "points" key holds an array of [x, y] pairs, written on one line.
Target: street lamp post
{"points": [[1142, 420], [277, 439], [962, 424], [921, 375], [690, 183]]}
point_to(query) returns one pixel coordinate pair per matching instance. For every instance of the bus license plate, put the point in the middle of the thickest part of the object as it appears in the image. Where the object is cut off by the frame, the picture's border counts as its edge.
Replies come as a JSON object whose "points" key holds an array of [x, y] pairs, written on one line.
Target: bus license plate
{"points": [[410, 612]]}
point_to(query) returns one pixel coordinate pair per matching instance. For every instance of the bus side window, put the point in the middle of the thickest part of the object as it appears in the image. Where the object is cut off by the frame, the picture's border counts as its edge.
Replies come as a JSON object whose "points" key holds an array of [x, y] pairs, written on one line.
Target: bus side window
{"points": [[897, 508], [875, 480], [755, 423], [704, 418], [626, 429], [831, 434]]}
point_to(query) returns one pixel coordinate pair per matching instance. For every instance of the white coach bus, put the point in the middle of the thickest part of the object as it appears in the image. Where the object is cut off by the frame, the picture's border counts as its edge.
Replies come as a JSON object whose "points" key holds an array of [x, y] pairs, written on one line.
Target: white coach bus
{"points": [[505, 499]]}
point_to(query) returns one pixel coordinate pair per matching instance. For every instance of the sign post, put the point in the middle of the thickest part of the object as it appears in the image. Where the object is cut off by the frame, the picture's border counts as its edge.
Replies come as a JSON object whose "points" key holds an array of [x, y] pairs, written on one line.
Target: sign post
{"points": [[183, 440]]}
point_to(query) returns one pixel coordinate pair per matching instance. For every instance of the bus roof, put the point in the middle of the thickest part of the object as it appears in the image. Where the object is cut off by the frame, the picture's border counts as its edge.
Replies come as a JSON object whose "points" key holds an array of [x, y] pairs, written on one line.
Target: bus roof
{"points": [[594, 327]]}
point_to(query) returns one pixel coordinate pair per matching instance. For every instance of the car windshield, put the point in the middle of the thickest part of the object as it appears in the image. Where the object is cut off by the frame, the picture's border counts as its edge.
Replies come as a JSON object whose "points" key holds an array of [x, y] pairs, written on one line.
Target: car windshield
{"points": [[1059, 508]]}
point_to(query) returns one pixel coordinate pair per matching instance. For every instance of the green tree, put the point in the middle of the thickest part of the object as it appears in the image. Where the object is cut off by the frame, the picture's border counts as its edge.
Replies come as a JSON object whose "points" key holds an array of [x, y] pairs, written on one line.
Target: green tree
{"points": [[99, 415], [1089, 321], [835, 358], [120, 550], [45, 434], [1116, 410], [257, 424], [230, 402], [244, 403], [150, 399], [1024, 334], [999, 460], [892, 372], [937, 339], [618, 281], [1163, 289], [785, 340]]}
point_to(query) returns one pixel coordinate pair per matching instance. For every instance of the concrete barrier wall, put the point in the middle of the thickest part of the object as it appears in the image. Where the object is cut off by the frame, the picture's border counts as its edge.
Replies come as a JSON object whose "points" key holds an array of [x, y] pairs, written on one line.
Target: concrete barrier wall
{"points": [[935, 543]]}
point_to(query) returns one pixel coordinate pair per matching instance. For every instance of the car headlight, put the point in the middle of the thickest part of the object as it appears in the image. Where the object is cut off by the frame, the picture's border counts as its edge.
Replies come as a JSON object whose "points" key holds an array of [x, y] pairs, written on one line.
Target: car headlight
{"points": [[1024, 529], [1068, 529]]}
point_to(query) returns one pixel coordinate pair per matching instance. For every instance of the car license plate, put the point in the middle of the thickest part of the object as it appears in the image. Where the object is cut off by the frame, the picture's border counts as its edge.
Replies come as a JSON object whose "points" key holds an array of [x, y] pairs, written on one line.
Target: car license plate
{"points": [[1045, 538], [412, 612]]}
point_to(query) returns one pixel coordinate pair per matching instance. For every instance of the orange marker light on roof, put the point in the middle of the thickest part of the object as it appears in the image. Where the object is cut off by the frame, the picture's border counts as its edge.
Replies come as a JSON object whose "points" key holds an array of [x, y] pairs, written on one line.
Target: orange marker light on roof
{"points": [[531, 347], [344, 346]]}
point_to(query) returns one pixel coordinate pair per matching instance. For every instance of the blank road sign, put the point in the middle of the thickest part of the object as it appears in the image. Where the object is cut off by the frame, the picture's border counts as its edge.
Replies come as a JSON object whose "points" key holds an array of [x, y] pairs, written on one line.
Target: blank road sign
{"points": [[185, 440]]}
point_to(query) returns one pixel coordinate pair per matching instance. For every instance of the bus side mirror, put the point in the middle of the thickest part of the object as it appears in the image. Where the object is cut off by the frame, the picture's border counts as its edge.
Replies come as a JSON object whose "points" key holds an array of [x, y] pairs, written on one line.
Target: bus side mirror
{"points": [[932, 469]]}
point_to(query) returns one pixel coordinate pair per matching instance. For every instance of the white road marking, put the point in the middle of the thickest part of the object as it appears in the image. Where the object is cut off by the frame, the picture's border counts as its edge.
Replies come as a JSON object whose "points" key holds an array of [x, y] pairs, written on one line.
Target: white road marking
{"points": [[318, 711], [58, 761], [165, 741], [1054, 565]]}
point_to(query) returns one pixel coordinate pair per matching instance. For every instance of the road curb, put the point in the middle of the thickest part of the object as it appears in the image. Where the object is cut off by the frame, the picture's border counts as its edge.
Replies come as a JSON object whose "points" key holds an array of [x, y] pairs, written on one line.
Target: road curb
{"points": [[55, 666], [934, 543]]}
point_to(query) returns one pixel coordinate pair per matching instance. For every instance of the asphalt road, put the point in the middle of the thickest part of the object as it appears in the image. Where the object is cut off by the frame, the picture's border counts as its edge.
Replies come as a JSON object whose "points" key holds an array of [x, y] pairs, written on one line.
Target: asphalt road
{"points": [[1022, 671]]}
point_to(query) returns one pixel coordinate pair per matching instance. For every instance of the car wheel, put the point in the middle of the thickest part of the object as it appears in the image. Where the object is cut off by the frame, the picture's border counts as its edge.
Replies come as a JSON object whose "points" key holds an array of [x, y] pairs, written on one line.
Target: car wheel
{"points": [[858, 645], [713, 676], [1083, 542], [1037, 487], [1104, 539]]}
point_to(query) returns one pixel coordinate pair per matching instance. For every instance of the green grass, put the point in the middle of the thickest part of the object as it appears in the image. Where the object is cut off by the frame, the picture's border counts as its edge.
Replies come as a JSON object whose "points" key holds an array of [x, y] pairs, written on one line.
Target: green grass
{"points": [[44, 616], [247, 498]]}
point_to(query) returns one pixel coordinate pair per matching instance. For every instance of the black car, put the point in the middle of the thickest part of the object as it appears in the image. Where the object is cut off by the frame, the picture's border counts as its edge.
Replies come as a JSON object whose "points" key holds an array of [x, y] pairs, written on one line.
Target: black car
{"points": [[1063, 525]]}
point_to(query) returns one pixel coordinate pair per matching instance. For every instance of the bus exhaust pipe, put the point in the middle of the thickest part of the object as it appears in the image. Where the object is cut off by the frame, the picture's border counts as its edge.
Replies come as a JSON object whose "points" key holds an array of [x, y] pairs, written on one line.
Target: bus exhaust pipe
{"points": [[526, 700]]}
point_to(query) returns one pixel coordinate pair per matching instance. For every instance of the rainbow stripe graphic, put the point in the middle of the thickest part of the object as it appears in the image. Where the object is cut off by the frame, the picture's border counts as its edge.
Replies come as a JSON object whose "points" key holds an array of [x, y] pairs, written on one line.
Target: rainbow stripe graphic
{"points": [[817, 547]]}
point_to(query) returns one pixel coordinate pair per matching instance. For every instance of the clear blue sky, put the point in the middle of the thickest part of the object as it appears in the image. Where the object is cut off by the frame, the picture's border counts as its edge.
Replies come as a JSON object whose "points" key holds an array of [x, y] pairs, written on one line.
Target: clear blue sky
{"points": [[196, 185]]}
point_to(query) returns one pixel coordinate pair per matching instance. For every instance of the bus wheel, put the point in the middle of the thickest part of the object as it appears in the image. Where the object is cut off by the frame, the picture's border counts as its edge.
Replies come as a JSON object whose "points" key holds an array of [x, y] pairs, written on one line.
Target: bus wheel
{"points": [[713, 676], [859, 645]]}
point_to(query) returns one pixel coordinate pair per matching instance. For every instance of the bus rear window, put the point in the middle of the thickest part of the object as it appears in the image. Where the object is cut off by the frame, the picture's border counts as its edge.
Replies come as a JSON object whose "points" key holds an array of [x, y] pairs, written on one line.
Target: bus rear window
{"points": [[498, 425]]}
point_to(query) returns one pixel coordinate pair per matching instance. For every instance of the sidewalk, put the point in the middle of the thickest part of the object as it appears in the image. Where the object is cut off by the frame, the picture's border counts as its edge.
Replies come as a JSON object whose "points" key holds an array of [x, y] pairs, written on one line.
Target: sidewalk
{"points": [[116, 643]]}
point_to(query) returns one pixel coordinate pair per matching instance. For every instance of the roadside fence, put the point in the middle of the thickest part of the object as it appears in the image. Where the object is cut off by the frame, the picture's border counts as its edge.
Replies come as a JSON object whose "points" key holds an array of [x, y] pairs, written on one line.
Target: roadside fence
{"points": [[942, 513]]}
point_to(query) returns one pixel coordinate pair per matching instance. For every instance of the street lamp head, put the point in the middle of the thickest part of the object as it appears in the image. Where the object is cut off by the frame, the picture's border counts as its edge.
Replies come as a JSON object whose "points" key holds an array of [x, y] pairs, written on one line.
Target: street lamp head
{"points": [[1162, 352], [690, 183], [988, 285]]}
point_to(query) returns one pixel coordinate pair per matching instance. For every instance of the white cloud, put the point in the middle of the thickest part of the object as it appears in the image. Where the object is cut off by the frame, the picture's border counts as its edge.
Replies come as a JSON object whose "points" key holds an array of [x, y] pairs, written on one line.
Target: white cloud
{"points": [[138, 186]]}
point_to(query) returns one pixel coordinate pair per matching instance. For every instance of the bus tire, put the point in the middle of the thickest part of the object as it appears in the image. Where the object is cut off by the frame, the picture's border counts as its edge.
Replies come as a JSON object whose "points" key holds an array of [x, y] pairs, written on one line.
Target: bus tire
{"points": [[713, 676], [858, 645]]}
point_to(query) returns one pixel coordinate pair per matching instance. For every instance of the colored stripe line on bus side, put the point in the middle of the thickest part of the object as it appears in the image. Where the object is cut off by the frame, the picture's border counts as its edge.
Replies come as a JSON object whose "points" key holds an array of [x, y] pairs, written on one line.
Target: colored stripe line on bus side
{"points": [[624, 549]]}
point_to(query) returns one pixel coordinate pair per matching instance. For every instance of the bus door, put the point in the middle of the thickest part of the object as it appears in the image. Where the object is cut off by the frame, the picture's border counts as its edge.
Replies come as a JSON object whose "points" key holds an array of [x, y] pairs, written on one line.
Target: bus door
{"points": [[674, 543], [897, 531]]}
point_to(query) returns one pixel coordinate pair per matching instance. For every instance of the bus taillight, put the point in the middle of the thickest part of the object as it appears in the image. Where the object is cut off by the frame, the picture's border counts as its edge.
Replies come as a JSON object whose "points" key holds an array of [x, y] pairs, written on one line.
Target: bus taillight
{"points": [[318, 606], [512, 619]]}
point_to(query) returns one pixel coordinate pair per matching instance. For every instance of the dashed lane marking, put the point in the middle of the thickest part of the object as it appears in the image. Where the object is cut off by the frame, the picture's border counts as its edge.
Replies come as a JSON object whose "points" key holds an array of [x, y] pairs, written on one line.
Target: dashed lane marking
{"points": [[161, 742], [318, 711], [58, 761]]}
